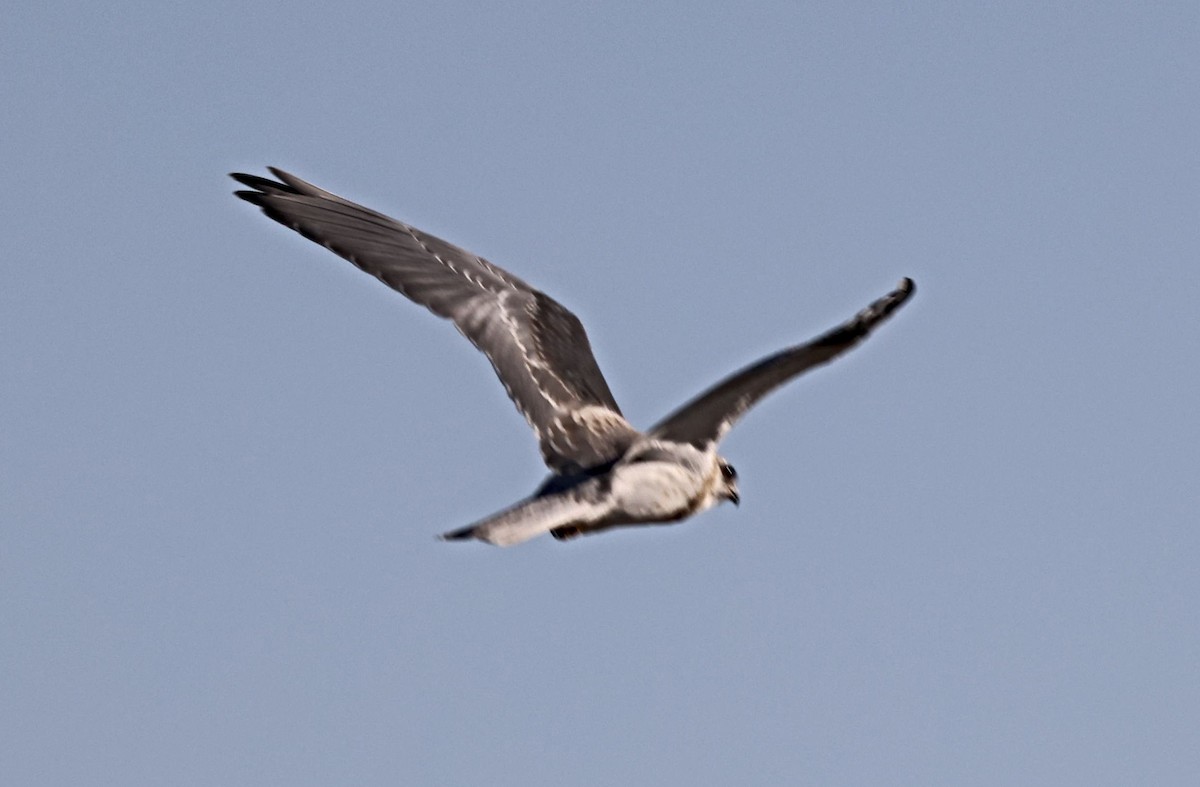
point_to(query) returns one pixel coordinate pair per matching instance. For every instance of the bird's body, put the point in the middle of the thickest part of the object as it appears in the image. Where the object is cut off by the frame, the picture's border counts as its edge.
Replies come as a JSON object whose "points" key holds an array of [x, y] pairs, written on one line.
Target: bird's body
{"points": [[604, 472], [652, 483]]}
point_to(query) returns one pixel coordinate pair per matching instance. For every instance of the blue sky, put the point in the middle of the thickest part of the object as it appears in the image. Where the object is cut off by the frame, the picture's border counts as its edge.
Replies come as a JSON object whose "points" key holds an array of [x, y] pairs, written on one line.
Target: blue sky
{"points": [[966, 553]]}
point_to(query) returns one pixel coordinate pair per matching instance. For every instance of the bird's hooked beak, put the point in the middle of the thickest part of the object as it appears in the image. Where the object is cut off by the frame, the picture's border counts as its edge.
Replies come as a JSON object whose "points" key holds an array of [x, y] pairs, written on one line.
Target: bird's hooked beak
{"points": [[729, 489]]}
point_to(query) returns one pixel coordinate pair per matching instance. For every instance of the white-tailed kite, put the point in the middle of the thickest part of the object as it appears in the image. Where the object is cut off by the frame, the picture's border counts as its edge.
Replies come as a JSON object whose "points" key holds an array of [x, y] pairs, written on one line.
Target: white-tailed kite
{"points": [[604, 472]]}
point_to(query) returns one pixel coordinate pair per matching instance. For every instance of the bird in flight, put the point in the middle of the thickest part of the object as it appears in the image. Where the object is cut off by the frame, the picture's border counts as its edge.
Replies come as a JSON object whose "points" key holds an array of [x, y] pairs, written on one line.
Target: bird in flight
{"points": [[604, 473]]}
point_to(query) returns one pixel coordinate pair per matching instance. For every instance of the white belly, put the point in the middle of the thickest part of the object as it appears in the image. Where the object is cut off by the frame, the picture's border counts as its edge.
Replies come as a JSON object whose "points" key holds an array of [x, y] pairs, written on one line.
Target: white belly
{"points": [[658, 491]]}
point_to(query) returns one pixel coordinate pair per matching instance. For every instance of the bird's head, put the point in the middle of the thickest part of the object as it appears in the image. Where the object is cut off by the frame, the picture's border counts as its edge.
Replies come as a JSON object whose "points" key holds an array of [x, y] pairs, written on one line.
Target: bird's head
{"points": [[727, 488]]}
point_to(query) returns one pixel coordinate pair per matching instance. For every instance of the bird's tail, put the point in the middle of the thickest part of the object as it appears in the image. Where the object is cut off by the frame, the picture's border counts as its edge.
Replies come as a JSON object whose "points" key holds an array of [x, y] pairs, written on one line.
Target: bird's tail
{"points": [[462, 534], [531, 517]]}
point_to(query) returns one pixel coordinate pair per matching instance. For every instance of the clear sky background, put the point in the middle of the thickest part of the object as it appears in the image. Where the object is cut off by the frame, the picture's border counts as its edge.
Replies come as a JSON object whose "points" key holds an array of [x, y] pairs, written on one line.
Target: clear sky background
{"points": [[967, 553]]}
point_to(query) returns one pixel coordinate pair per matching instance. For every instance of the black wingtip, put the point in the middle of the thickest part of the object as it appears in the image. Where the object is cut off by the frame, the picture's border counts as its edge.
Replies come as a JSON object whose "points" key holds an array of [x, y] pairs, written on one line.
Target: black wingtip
{"points": [[253, 197], [263, 186], [253, 181], [904, 290], [883, 307]]}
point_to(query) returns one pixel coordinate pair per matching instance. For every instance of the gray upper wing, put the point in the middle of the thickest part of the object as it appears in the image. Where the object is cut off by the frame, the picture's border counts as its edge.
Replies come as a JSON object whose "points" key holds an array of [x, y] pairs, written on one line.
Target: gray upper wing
{"points": [[538, 348], [708, 417]]}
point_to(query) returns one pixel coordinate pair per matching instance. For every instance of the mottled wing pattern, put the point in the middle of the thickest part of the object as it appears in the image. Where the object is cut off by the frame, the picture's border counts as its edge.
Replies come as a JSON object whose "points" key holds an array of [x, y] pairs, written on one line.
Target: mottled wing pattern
{"points": [[707, 418], [538, 348]]}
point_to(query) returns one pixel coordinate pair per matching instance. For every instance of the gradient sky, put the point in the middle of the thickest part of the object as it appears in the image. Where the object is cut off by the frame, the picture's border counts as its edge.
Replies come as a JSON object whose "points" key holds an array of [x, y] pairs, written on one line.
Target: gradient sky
{"points": [[966, 553]]}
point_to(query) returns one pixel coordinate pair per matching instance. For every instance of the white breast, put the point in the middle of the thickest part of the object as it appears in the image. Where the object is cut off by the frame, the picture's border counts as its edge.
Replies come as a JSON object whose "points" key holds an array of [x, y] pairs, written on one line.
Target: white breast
{"points": [[655, 491]]}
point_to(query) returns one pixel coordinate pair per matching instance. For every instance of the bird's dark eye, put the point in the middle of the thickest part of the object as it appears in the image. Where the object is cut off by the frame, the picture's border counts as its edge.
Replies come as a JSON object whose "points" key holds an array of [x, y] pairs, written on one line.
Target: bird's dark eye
{"points": [[728, 472]]}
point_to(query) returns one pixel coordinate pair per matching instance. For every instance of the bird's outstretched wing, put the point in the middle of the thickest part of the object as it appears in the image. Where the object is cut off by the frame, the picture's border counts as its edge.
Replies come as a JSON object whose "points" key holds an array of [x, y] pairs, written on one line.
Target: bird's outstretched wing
{"points": [[708, 417], [538, 348]]}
